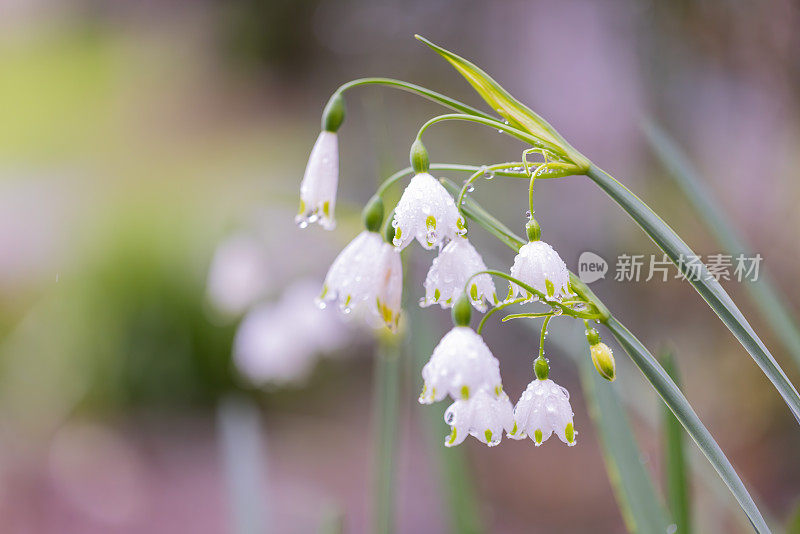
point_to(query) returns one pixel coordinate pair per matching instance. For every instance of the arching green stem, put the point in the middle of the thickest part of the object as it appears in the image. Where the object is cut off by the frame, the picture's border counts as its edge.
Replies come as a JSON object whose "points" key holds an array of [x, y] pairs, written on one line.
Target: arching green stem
{"points": [[497, 309], [556, 304], [525, 316], [494, 123], [477, 174], [424, 92]]}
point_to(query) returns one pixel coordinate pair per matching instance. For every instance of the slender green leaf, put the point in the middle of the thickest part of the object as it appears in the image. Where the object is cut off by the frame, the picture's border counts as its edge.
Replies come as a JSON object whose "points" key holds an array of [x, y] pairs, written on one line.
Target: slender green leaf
{"points": [[515, 112], [706, 285], [772, 306], [674, 399], [677, 479], [638, 499], [669, 393]]}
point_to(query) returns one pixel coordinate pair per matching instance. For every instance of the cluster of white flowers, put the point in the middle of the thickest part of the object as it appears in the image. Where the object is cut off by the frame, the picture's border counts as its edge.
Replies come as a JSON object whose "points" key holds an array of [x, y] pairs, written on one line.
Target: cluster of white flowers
{"points": [[366, 280], [463, 367]]}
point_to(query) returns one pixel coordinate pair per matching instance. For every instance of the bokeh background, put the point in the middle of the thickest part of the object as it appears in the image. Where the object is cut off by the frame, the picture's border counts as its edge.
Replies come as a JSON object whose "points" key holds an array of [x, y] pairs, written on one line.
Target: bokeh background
{"points": [[150, 157]]}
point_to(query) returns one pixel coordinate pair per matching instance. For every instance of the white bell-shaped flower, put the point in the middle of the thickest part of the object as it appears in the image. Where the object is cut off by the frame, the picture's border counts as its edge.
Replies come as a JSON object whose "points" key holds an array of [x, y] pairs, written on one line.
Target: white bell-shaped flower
{"points": [[539, 266], [428, 212], [461, 366], [449, 272], [543, 409], [366, 279], [389, 291], [318, 188], [485, 415]]}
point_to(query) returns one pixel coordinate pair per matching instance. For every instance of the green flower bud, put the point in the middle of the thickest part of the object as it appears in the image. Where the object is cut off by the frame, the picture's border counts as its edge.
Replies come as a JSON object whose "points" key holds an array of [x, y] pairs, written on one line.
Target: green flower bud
{"points": [[462, 311], [603, 360], [419, 157], [541, 368], [533, 230], [333, 114], [372, 216]]}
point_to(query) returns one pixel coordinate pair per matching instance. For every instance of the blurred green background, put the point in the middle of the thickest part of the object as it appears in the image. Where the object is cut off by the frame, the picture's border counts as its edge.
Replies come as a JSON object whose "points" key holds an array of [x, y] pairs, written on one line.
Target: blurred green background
{"points": [[137, 136]]}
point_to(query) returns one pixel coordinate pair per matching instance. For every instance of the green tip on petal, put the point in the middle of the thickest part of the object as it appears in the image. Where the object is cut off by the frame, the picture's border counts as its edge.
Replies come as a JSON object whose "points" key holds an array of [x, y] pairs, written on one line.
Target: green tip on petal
{"points": [[537, 436], [488, 435], [451, 439], [569, 432], [465, 392], [551, 290]]}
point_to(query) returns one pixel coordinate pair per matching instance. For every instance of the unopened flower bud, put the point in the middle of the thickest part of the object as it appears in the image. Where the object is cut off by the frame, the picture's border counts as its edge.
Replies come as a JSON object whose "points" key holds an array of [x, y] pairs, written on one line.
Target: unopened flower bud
{"points": [[603, 360]]}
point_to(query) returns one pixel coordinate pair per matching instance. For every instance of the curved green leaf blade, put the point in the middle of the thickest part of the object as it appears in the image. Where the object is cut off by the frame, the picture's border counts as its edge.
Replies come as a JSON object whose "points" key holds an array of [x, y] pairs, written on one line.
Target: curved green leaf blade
{"points": [[698, 275], [675, 400], [762, 291], [511, 109], [677, 479]]}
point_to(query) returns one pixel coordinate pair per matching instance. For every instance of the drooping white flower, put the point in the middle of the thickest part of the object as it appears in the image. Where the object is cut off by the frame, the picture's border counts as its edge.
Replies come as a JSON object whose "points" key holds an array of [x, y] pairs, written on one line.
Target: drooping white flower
{"points": [[543, 409], [461, 366], [428, 212], [279, 342], [366, 278], [449, 272], [318, 188], [485, 415], [238, 275], [539, 266]]}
